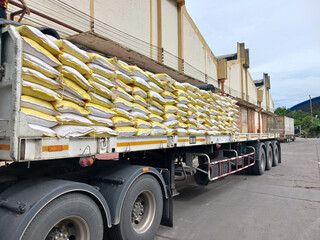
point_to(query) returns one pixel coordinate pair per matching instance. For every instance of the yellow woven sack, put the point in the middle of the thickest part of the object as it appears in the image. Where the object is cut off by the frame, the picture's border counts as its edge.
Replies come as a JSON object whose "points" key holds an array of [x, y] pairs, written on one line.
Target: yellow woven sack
{"points": [[168, 95], [182, 107], [140, 100], [165, 78], [71, 61], [138, 91], [75, 89], [73, 119], [153, 78], [138, 72], [34, 76], [182, 100], [39, 91], [179, 86], [37, 36], [124, 104], [158, 132], [155, 104], [38, 104], [169, 116], [118, 91], [126, 131], [102, 90], [68, 47], [121, 84], [143, 132], [141, 83], [139, 115], [123, 67], [68, 106], [100, 79], [157, 125], [139, 108], [121, 122], [155, 110], [155, 87], [99, 100], [100, 111], [155, 117], [100, 121], [33, 48], [100, 131], [123, 77], [39, 65], [180, 131], [181, 113], [102, 71], [156, 96], [39, 118], [180, 93], [170, 109], [170, 102], [100, 60], [169, 87], [138, 123], [122, 113], [74, 75]]}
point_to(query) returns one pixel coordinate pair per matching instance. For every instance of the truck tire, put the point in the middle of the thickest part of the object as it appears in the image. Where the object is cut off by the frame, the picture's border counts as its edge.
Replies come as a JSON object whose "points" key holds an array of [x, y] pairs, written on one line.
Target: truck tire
{"points": [[260, 164], [70, 216], [276, 153], [269, 155], [141, 211]]}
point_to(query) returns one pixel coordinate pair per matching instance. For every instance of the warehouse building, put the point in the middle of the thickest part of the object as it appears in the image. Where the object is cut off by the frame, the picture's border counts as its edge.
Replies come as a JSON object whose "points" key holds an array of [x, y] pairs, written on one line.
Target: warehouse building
{"points": [[159, 36]]}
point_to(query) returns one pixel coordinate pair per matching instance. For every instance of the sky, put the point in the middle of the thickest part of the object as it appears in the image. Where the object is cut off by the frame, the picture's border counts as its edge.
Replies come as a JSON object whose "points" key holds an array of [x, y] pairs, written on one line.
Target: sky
{"points": [[283, 37]]}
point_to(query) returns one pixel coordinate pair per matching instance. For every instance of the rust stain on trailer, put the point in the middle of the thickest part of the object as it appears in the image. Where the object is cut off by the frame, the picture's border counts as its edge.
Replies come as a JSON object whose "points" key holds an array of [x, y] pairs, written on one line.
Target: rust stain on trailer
{"points": [[55, 148], [124, 144], [5, 147]]}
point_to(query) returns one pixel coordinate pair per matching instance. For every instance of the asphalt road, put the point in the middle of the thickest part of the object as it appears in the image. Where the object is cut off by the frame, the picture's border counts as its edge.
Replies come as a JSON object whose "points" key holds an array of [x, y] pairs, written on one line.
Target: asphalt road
{"points": [[284, 203]]}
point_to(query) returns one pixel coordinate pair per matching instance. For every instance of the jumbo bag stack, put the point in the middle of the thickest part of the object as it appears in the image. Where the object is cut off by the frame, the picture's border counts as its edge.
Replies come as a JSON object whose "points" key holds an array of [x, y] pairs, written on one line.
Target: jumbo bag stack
{"points": [[40, 80]]}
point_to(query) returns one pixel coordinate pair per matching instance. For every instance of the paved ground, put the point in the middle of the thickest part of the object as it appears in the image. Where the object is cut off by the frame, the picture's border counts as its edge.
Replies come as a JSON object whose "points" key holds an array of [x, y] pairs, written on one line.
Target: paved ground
{"points": [[284, 203]]}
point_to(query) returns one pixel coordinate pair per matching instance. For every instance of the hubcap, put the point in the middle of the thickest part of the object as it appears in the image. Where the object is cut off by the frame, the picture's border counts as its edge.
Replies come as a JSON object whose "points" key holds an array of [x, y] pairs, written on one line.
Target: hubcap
{"points": [[70, 228], [143, 212]]}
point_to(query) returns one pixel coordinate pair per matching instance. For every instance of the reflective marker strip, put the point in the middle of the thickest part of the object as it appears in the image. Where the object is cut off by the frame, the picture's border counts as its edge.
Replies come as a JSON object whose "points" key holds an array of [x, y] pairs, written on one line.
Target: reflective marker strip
{"points": [[55, 148], [201, 140], [183, 140], [5, 147], [243, 137], [125, 144]]}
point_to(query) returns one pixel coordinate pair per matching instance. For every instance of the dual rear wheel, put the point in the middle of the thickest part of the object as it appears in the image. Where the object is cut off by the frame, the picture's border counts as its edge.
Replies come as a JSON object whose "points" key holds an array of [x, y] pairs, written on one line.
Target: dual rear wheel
{"points": [[267, 155]]}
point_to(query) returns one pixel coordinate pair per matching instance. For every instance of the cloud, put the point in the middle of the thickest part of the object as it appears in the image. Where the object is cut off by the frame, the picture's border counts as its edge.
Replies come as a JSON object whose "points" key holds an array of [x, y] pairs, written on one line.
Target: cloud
{"points": [[283, 38]]}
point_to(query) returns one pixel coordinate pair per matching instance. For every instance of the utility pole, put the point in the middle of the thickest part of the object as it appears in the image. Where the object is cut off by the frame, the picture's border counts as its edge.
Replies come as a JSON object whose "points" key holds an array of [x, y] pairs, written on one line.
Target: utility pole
{"points": [[311, 109]]}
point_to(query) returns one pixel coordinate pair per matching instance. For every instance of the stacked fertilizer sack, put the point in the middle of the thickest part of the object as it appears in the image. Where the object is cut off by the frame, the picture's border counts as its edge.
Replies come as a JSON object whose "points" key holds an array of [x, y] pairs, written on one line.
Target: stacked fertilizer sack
{"points": [[69, 92]]}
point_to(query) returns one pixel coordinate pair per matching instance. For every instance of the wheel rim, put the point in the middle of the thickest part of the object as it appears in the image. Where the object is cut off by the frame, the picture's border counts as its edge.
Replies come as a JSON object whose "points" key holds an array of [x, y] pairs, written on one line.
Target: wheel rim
{"points": [[263, 160], [276, 155], [70, 228], [143, 212]]}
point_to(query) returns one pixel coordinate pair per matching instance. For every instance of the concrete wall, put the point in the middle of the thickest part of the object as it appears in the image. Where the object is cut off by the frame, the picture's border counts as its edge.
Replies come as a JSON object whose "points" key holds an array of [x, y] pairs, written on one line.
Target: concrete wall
{"points": [[170, 33], [252, 90], [233, 81]]}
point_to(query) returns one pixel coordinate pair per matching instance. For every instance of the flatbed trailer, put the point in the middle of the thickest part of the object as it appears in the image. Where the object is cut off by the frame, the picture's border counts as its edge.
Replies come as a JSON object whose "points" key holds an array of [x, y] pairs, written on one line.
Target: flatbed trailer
{"points": [[103, 187]]}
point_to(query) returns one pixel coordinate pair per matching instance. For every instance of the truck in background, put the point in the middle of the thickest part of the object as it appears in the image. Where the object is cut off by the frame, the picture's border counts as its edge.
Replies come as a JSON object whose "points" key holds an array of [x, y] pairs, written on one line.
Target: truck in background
{"points": [[282, 125]]}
